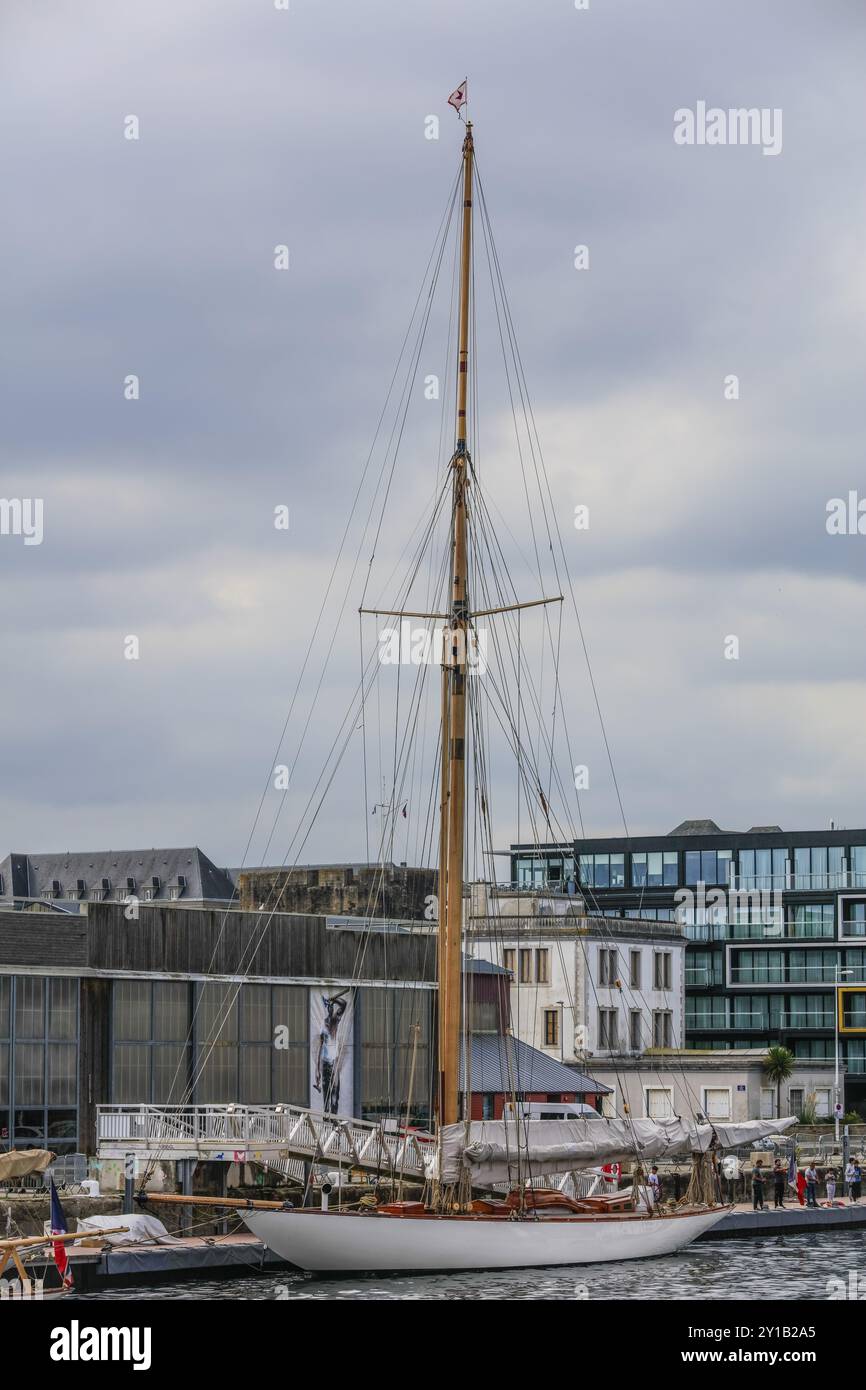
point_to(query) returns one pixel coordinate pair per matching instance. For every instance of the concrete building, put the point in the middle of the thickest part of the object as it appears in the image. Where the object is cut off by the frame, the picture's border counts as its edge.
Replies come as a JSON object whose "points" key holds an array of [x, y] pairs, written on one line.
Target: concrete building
{"points": [[203, 1006], [152, 875], [583, 988], [722, 1086], [393, 891], [775, 922]]}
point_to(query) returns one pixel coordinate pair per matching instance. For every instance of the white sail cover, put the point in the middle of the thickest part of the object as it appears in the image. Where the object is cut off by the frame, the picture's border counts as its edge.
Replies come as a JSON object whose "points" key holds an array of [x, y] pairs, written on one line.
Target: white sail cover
{"points": [[495, 1151]]}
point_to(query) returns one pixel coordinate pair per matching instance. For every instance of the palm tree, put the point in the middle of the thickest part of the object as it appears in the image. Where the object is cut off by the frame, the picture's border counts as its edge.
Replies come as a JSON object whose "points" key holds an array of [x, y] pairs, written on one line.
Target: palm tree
{"points": [[778, 1066]]}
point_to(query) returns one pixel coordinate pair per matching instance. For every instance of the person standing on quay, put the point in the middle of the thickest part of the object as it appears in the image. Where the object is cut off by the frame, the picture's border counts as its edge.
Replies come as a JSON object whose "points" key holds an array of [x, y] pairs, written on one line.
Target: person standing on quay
{"points": [[849, 1175], [758, 1186], [831, 1186], [811, 1186], [780, 1178], [856, 1181]]}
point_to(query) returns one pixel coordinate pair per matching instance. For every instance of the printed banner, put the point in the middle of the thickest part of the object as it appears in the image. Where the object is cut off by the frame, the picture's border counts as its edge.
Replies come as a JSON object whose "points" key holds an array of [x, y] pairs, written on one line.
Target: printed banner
{"points": [[332, 1052]]}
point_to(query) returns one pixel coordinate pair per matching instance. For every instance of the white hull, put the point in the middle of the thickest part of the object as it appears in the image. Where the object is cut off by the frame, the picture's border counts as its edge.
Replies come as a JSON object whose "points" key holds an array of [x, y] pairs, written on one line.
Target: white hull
{"points": [[331, 1242]]}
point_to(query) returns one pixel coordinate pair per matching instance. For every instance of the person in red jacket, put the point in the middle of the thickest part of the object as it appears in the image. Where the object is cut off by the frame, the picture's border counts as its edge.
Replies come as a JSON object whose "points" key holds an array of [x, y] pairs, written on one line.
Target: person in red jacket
{"points": [[801, 1187]]}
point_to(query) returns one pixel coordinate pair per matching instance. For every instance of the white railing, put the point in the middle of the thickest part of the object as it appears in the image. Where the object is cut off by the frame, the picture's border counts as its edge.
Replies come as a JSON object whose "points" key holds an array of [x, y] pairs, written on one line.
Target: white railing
{"points": [[258, 1133]]}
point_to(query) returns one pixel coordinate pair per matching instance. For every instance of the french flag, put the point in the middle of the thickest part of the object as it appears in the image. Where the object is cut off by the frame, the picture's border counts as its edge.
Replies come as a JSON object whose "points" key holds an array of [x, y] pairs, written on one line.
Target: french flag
{"points": [[60, 1228]]}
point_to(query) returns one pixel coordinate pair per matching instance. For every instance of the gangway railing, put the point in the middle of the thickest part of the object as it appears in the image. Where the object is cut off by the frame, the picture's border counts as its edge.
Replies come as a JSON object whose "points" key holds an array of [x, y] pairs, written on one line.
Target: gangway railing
{"points": [[270, 1134]]}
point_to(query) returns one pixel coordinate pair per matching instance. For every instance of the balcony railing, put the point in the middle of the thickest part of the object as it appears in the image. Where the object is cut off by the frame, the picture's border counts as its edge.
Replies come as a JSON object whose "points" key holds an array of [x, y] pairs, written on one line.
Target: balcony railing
{"points": [[796, 975], [791, 881], [760, 931]]}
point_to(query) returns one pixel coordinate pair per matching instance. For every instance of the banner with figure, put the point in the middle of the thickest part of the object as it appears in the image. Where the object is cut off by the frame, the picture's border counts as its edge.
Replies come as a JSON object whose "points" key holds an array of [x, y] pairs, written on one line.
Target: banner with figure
{"points": [[332, 1051]]}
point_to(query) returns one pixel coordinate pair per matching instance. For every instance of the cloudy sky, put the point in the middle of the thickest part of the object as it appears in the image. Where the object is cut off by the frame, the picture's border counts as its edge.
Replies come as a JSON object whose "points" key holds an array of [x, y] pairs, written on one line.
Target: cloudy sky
{"points": [[260, 387]]}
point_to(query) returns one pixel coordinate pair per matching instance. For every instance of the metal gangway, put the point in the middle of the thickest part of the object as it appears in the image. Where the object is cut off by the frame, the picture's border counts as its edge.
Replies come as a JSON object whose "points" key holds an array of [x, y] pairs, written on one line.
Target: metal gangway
{"points": [[283, 1137]]}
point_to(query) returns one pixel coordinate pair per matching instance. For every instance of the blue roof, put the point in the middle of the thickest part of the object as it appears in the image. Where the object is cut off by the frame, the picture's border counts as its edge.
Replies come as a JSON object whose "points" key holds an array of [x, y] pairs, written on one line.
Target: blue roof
{"points": [[502, 1063]]}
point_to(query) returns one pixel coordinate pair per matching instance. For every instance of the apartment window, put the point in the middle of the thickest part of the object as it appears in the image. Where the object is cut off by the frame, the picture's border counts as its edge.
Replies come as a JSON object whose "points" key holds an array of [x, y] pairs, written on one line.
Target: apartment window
{"points": [[659, 1102], [606, 967], [635, 1030], [708, 866], [716, 1102], [853, 918], [655, 869], [796, 1098], [812, 920], [663, 1028], [634, 969], [853, 1009], [608, 1033], [602, 870], [763, 869], [704, 968], [542, 967], [526, 967], [858, 866], [706, 1011], [662, 969], [551, 1027], [820, 867], [508, 958], [768, 1103]]}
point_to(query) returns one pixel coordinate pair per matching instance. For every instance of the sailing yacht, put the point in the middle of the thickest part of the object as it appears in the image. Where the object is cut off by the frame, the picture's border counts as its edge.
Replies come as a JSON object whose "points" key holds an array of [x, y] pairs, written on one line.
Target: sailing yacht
{"points": [[460, 1227]]}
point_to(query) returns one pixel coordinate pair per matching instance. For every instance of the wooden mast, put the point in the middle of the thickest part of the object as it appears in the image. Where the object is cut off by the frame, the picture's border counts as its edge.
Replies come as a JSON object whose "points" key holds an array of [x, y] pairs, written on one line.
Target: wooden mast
{"points": [[453, 800]]}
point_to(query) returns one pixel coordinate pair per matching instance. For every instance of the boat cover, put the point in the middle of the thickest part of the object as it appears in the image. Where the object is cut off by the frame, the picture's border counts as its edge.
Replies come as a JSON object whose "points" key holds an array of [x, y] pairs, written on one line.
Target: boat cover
{"points": [[20, 1163], [497, 1151]]}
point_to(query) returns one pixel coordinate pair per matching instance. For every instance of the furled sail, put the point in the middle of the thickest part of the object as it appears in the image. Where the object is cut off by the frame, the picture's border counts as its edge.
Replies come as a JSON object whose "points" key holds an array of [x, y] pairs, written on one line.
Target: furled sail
{"points": [[495, 1151]]}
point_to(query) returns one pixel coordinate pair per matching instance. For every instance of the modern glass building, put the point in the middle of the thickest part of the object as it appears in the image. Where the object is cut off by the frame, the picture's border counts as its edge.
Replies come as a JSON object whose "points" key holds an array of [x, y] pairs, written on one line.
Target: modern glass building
{"points": [[775, 921]]}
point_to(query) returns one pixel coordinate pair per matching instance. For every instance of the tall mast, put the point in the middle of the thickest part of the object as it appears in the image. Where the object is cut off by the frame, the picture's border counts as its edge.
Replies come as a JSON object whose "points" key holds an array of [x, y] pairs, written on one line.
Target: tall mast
{"points": [[453, 801]]}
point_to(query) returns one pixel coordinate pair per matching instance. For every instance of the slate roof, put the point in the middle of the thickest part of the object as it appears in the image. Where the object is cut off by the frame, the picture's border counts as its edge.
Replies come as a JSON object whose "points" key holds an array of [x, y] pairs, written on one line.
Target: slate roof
{"points": [[504, 1063], [696, 827], [32, 875]]}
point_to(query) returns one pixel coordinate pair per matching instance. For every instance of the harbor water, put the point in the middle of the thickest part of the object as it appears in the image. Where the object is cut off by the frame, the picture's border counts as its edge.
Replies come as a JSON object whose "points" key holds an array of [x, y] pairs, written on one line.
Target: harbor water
{"points": [[770, 1268]]}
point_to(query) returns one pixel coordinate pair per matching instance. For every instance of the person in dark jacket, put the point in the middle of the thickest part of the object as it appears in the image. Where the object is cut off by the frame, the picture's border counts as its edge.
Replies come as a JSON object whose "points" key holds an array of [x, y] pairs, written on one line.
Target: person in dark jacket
{"points": [[758, 1185], [780, 1182]]}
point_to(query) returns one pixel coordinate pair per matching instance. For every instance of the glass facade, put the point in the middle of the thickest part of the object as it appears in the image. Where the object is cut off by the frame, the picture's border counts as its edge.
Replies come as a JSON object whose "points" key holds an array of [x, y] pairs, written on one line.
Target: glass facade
{"points": [[396, 1054], [656, 869], [214, 1043], [709, 866], [39, 1063], [602, 870]]}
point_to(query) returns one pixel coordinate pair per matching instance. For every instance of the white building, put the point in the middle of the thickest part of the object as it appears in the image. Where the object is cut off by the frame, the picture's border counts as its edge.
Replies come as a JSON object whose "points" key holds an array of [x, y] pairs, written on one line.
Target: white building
{"points": [[584, 989], [722, 1086]]}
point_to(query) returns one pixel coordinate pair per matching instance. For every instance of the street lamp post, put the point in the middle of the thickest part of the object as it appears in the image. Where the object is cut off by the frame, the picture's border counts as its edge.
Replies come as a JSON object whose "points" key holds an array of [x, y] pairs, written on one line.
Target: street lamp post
{"points": [[839, 973]]}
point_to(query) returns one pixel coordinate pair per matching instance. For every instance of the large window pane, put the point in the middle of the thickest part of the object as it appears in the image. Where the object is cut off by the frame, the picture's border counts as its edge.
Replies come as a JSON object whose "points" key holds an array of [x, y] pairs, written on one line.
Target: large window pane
{"points": [[62, 1059], [171, 1013], [5, 1006], [256, 1013], [29, 1073], [29, 1007], [63, 1008], [170, 1073], [132, 1001], [131, 1074]]}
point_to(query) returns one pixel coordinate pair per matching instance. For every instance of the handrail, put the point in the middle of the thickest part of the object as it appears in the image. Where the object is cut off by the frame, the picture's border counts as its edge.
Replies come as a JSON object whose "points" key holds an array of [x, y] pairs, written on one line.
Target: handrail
{"points": [[244, 1132]]}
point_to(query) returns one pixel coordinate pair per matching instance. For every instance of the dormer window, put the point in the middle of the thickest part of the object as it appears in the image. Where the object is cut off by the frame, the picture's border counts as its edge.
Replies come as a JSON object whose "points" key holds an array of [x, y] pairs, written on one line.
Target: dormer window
{"points": [[177, 890], [81, 887]]}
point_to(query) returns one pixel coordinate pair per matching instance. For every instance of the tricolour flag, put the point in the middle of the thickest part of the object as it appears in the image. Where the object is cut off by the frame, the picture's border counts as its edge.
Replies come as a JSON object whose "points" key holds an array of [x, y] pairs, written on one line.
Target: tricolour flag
{"points": [[458, 98], [60, 1228]]}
